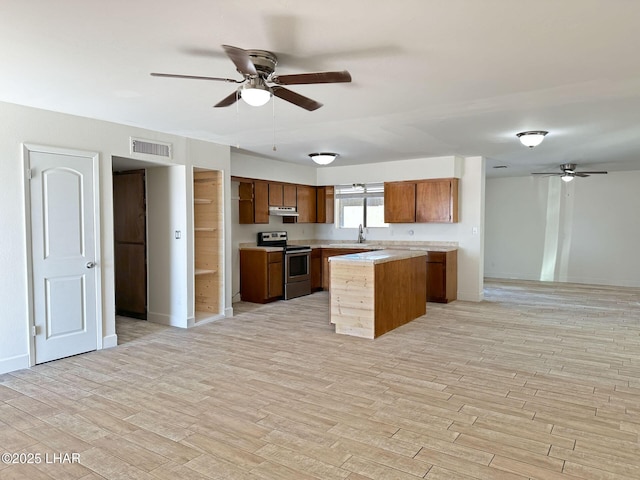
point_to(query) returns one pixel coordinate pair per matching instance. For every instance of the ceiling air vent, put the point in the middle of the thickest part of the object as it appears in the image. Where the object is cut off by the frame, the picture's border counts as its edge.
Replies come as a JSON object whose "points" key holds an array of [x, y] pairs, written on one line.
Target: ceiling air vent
{"points": [[150, 148]]}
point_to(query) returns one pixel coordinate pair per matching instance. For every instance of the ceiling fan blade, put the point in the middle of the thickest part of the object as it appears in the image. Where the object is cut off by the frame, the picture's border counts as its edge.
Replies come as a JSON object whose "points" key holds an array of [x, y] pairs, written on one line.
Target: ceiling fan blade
{"points": [[308, 78], [228, 100], [241, 60], [592, 173], [195, 77], [296, 98], [581, 174]]}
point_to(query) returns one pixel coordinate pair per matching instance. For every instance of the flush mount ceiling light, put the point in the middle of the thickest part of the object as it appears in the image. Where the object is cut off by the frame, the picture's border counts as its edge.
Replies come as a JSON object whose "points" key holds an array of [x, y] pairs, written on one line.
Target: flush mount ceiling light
{"points": [[532, 138], [255, 92], [323, 158]]}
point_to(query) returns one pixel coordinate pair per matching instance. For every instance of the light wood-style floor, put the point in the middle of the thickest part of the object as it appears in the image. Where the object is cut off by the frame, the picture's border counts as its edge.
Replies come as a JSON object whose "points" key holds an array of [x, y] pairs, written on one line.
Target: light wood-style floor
{"points": [[539, 381]]}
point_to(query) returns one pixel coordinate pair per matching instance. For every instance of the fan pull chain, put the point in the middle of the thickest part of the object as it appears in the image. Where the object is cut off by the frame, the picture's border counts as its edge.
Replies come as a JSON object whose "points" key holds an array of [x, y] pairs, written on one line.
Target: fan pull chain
{"points": [[238, 118], [273, 102]]}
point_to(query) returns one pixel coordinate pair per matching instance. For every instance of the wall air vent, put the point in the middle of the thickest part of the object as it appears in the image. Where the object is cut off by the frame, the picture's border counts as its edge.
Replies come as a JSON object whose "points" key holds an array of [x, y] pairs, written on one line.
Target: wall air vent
{"points": [[150, 148]]}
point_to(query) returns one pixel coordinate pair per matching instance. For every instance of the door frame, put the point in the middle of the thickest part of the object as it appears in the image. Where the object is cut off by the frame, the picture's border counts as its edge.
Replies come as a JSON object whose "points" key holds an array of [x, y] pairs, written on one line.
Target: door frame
{"points": [[27, 148]]}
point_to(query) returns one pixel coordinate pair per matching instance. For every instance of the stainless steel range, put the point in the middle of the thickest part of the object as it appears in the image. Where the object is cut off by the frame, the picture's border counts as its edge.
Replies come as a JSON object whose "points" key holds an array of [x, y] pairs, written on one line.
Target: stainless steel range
{"points": [[297, 276]]}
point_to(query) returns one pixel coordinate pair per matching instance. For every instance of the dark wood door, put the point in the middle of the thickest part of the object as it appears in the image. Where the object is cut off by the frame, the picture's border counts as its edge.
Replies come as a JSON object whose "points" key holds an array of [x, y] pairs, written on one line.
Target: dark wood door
{"points": [[130, 234]]}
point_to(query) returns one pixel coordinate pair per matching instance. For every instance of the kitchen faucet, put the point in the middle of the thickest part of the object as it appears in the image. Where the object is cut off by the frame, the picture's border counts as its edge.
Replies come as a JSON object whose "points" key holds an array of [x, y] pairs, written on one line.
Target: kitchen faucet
{"points": [[360, 234]]}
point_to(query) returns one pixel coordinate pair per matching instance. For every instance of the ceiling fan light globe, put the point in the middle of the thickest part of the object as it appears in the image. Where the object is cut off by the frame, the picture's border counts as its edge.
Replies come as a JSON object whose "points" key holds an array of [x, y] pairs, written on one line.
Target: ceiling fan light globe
{"points": [[531, 139], [256, 97], [567, 177], [323, 158]]}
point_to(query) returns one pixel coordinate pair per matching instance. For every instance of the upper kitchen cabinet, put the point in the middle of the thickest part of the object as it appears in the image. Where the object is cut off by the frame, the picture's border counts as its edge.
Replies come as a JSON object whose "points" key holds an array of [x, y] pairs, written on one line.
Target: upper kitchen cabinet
{"points": [[254, 202], [282, 195], [437, 201], [306, 196], [325, 204], [306, 205], [399, 202], [421, 201]]}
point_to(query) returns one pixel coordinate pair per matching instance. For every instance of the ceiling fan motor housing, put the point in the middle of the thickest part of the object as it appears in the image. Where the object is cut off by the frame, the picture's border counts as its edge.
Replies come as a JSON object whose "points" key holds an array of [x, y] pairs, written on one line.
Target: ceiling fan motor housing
{"points": [[568, 167], [264, 61]]}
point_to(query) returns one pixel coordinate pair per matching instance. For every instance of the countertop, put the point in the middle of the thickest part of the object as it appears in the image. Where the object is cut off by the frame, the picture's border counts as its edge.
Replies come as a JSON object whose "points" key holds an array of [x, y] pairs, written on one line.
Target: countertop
{"points": [[372, 245], [377, 256], [253, 246]]}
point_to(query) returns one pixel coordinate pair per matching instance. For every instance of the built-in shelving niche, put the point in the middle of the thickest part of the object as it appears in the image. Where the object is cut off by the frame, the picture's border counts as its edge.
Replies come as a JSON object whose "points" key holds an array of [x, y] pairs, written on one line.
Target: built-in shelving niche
{"points": [[208, 255]]}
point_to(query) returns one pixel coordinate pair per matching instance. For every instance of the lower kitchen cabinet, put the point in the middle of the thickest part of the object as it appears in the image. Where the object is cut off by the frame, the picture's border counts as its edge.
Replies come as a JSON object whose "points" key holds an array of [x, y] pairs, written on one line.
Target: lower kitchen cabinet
{"points": [[316, 269], [261, 276], [442, 276]]}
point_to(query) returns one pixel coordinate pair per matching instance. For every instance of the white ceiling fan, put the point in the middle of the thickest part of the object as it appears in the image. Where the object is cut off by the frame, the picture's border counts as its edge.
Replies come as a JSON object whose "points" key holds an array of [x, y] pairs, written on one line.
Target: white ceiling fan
{"points": [[568, 172]]}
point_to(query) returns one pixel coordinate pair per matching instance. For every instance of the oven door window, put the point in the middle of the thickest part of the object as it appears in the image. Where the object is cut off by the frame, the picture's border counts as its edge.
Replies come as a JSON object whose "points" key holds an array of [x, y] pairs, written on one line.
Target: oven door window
{"points": [[298, 265]]}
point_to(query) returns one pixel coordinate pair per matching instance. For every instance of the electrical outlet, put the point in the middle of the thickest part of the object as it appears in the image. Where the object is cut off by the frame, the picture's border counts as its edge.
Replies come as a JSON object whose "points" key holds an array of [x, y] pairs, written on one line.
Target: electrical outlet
{"points": [[178, 234]]}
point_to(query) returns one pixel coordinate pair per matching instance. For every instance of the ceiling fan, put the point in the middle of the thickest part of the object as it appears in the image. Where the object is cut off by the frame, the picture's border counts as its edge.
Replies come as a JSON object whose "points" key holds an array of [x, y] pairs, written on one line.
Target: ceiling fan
{"points": [[568, 172], [258, 67]]}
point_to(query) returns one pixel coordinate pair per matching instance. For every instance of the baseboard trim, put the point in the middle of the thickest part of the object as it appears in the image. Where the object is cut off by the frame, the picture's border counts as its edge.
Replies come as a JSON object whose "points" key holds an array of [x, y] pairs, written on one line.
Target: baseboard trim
{"points": [[110, 341], [471, 296], [12, 364], [228, 312], [169, 320]]}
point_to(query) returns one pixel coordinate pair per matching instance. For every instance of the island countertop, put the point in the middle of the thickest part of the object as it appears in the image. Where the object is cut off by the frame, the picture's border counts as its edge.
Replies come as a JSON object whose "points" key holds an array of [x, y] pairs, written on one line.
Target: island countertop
{"points": [[377, 291], [376, 256]]}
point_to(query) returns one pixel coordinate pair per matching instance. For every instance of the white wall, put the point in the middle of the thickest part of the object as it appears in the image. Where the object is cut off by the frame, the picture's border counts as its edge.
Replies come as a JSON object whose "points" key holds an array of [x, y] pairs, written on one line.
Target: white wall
{"points": [[19, 125], [584, 231], [251, 166], [167, 256]]}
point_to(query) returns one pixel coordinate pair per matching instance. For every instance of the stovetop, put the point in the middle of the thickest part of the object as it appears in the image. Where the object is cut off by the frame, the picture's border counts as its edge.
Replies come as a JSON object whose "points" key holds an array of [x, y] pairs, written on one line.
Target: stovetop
{"points": [[278, 239]]}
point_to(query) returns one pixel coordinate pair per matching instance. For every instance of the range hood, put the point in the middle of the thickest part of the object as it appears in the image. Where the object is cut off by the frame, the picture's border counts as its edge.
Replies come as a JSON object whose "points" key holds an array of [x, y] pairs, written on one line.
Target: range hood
{"points": [[283, 211]]}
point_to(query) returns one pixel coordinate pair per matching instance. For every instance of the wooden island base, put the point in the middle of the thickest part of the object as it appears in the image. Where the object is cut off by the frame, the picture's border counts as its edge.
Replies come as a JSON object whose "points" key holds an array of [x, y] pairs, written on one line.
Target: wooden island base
{"points": [[374, 292]]}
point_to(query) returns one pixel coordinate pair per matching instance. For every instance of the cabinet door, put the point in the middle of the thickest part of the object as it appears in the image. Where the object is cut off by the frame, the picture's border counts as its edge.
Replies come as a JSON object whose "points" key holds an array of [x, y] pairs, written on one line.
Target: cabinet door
{"points": [[253, 276], [289, 196], [261, 202], [316, 269], [325, 204], [275, 195], [436, 282], [306, 204], [275, 279], [437, 201], [245, 192], [399, 202]]}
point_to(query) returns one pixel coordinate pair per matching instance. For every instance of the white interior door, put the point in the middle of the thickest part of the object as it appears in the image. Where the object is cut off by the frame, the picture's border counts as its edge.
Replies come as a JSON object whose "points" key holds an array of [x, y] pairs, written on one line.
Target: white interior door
{"points": [[64, 253]]}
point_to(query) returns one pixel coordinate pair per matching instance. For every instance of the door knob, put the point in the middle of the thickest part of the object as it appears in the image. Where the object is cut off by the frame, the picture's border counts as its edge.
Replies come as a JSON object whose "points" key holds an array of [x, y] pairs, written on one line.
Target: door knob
{"points": [[91, 264]]}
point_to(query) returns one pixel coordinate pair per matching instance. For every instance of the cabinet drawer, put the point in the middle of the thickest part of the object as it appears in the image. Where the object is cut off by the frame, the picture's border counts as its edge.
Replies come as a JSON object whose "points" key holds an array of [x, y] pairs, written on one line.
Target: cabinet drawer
{"points": [[274, 257]]}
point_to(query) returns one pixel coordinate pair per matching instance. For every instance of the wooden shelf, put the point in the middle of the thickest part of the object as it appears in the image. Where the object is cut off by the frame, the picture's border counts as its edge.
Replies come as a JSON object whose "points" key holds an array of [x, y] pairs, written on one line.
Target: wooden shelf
{"points": [[203, 271], [208, 257]]}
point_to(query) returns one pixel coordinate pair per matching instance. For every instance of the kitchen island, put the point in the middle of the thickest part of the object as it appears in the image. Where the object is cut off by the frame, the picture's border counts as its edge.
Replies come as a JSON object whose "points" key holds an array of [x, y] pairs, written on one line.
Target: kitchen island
{"points": [[374, 292]]}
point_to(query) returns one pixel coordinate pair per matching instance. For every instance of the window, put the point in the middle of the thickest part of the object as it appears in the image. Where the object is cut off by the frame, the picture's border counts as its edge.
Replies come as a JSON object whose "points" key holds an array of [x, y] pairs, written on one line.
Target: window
{"points": [[360, 204]]}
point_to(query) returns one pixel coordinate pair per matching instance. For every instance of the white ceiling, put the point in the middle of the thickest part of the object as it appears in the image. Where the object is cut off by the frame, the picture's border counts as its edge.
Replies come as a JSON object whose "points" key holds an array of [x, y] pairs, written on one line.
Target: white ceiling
{"points": [[430, 77]]}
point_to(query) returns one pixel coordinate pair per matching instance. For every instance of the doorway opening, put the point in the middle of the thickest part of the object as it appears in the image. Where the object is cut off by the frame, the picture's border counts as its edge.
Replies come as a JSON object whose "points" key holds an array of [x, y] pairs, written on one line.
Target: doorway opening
{"points": [[130, 243]]}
